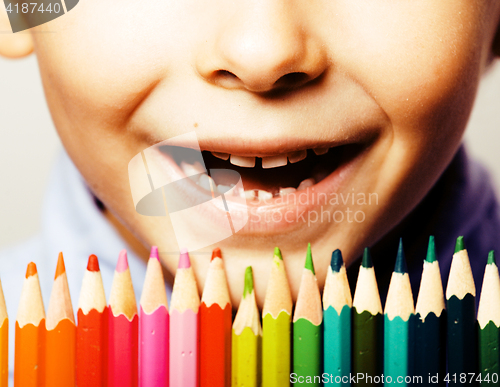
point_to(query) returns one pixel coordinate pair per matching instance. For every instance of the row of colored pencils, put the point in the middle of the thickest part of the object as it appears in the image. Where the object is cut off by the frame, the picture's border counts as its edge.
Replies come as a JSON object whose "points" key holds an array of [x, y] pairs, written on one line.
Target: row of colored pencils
{"points": [[195, 343]]}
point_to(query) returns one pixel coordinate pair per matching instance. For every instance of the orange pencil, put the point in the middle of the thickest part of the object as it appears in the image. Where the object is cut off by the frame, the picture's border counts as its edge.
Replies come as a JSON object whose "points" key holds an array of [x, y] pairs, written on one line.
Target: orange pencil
{"points": [[4, 342], [92, 330], [29, 363], [61, 330], [215, 327]]}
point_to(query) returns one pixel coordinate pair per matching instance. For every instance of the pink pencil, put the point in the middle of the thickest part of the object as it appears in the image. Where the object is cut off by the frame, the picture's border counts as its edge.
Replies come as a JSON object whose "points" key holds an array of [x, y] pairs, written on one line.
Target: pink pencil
{"points": [[123, 329], [154, 322], [184, 334]]}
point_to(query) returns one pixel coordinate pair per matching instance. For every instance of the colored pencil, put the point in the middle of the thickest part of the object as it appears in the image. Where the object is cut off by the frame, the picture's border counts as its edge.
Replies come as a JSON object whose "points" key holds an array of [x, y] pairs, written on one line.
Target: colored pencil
{"points": [[123, 340], [276, 332], [154, 326], [92, 329], [337, 304], [184, 328], [367, 334], [29, 363], [307, 329], [4, 341], [430, 330], [215, 327], [61, 332], [247, 336], [488, 317], [398, 324], [461, 306]]}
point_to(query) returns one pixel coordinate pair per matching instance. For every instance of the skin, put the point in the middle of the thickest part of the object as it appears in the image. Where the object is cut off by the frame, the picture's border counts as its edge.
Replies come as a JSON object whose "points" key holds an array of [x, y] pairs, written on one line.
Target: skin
{"points": [[400, 76]]}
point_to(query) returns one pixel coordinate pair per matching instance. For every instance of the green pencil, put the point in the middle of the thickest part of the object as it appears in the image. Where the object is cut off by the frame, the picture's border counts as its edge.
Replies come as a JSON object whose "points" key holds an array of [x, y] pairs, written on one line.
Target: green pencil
{"points": [[367, 337], [276, 336], [398, 325], [430, 331], [337, 304], [246, 336], [461, 306], [488, 317], [307, 329]]}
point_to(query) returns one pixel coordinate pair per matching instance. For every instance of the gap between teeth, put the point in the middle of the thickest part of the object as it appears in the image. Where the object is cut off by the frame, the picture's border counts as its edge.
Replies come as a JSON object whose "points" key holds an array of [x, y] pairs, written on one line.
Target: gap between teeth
{"points": [[269, 161]]}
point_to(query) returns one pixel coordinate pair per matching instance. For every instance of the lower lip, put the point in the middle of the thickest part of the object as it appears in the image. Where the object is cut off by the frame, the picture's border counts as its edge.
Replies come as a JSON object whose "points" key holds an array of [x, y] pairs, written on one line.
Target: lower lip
{"points": [[274, 216]]}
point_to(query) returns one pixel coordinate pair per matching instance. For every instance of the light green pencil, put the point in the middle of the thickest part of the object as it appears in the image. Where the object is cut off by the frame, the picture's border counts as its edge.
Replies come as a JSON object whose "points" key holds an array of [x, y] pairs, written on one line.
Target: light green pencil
{"points": [[276, 334]]}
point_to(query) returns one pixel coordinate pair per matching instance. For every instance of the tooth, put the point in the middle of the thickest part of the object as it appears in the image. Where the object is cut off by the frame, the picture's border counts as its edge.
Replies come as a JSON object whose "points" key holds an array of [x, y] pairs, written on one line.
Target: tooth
{"points": [[264, 195], [295, 157], [320, 151], [286, 191], [241, 161], [305, 184], [274, 161], [219, 155], [192, 169], [249, 195], [206, 182]]}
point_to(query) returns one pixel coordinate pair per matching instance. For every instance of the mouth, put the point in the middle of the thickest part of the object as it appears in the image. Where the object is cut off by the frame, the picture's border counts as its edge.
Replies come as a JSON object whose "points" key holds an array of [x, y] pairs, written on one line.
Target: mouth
{"points": [[268, 177]]}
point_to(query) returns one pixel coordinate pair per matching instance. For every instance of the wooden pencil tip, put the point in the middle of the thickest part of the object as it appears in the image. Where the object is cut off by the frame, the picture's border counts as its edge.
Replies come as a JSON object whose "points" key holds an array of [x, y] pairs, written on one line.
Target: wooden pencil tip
{"points": [[460, 245], [31, 269], [309, 259], [93, 264], [60, 269], [491, 258], [122, 264], [184, 261], [154, 252], [216, 254], [431, 251], [367, 259], [337, 261], [400, 266], [248, 281]]}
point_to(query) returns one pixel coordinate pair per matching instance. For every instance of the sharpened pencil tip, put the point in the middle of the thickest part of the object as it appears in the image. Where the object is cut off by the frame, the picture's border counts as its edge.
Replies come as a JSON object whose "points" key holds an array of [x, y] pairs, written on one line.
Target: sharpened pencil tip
{"points": [[216, 254], [60, 269], [31, 269], [93, 264], [367, 259], [184, 261], [122, 264], [431, 250], [337, 261], [400, 266], [248, 281], [309, 260], [491, 258], [460, 245], [154, 253], [277, 253]]}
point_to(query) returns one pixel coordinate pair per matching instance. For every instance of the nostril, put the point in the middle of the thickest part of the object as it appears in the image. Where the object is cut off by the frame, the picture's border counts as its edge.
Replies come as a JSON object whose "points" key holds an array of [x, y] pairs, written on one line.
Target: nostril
{"points": [[224, 74], [292, 80]]}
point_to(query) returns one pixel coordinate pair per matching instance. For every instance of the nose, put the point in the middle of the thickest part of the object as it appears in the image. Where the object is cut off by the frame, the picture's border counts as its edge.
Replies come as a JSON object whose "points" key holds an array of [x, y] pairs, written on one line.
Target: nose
{"points": [[262, 46]]}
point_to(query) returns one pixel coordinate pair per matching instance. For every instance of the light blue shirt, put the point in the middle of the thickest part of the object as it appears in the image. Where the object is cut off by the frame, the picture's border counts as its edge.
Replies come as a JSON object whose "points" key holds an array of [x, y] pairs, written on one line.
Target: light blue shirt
{"points": [[71, 223]]}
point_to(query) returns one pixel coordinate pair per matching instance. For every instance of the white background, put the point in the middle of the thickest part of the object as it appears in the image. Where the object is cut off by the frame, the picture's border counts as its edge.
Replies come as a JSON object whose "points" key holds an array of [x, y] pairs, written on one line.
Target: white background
{"points": [[28, 143]]}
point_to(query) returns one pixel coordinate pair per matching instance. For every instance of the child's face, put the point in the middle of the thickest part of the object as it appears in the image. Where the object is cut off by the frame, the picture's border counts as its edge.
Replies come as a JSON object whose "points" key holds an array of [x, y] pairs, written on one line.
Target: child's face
{"points": [[386, 84]]}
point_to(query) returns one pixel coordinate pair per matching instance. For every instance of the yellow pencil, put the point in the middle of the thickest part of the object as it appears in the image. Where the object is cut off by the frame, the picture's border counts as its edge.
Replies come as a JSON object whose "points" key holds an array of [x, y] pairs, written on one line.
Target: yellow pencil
{"points": [[247, 334], [4, 341]]}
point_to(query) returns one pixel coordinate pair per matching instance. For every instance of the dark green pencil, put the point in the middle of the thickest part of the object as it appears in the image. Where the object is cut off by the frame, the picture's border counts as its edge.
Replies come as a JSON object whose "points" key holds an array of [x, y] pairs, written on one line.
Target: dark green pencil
{"points": [[430, 331], [488, 317], [461, 320], [368, 324]]}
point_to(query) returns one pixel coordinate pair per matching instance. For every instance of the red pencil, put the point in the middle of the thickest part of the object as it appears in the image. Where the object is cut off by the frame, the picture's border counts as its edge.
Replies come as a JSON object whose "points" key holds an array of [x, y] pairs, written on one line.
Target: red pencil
{"points": [[92, 330], [123, 328], [215, 327]]}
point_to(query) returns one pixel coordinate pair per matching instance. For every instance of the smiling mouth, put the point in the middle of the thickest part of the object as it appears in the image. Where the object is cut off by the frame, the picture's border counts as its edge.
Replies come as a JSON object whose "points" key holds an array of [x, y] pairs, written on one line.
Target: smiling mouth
{"points": [[268, 177]]}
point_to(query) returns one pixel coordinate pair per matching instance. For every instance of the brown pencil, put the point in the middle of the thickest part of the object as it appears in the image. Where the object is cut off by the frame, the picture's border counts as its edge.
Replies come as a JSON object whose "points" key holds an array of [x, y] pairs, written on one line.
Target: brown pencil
{"points": [[29, 363]]}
